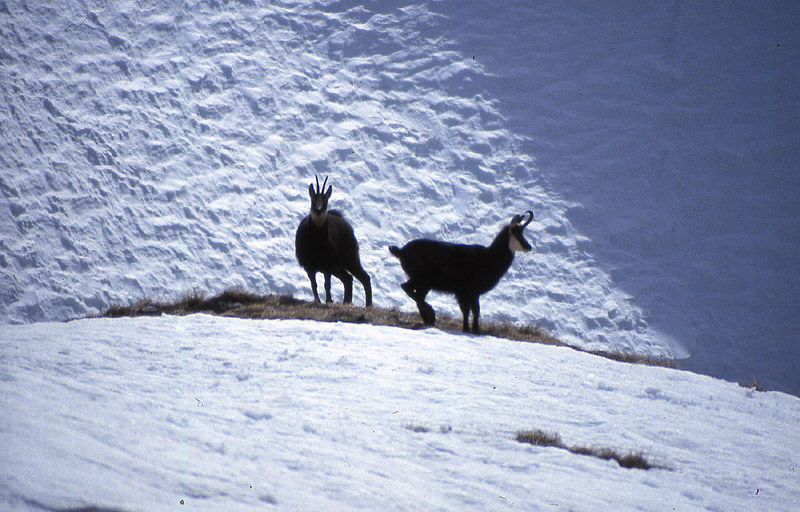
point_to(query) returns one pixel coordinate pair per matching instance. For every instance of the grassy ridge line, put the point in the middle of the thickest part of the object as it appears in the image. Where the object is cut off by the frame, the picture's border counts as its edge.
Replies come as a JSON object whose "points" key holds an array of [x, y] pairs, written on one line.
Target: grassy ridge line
{"points": [[243, 304]]}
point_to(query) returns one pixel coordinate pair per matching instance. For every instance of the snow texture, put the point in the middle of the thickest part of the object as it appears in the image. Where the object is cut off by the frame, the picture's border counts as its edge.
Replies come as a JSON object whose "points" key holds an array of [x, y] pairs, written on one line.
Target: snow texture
{"points": [[150, 148], [212, 413]]}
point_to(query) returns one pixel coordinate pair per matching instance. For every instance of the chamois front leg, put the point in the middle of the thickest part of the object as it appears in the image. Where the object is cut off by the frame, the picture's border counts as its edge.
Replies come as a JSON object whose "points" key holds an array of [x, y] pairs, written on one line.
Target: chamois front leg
{"points": [[476, 312], [312, 276], [465, 304], [470, 304]]}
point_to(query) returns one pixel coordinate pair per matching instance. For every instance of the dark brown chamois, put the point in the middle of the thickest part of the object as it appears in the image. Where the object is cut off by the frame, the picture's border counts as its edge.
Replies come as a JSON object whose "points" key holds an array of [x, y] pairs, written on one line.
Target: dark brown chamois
{"points": [[325, 243], [468, 271]]}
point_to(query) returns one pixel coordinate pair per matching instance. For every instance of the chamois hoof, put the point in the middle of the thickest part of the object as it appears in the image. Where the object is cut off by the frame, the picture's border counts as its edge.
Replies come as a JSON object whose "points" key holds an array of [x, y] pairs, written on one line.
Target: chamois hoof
{"points": [[427, 314]]}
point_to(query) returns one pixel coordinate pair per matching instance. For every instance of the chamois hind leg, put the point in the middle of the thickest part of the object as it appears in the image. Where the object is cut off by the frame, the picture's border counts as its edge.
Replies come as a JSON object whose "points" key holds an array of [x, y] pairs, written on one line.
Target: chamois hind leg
{"points": [[312, 276], [347, 280], [328, 287], [363, 277], [408, 287], [418, 294]]}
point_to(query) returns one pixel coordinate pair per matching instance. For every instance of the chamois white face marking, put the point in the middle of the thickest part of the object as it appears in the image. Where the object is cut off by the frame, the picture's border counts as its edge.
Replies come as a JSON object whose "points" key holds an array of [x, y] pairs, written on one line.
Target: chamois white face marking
{"points": [[516, 240], [319, 218], [319, 203]]}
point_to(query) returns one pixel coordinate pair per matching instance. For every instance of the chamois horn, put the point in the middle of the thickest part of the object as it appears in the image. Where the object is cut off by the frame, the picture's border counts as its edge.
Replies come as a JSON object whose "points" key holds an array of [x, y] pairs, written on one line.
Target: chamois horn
{"points": [[530, 218], [320, 190]]}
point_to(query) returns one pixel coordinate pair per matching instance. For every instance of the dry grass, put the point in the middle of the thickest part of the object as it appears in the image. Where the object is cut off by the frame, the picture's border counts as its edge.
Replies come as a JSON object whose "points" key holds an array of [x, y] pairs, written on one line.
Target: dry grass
{"points": [[753, 383], [418, 429], [192, 302], [243, 304], [541, 438]]}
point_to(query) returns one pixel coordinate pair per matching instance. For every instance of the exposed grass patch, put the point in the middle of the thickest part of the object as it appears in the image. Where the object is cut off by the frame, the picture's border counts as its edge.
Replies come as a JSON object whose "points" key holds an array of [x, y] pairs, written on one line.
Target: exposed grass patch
{"points": [[753, 383], [243, 304], [547, 439], [191, 302], [540, 438], [634, 358], [419, 429]]}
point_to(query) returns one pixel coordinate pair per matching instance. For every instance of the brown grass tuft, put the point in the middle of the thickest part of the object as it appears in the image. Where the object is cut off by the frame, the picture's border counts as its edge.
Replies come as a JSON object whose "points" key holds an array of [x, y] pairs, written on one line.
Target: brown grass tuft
{"points": [[541, 438], [418, 429], [754, 384]]}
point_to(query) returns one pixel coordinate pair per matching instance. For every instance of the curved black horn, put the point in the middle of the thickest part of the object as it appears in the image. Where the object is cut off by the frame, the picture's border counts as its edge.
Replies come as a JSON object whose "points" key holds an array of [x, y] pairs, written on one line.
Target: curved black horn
{"points": [[530, 218], [317, 178], [323, 184]]}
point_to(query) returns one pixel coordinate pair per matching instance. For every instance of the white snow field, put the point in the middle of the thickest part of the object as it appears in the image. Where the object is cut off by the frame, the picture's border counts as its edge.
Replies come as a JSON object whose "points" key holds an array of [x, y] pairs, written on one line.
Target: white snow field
{"points": [[213, 413], [155, 150], [152, 148]]}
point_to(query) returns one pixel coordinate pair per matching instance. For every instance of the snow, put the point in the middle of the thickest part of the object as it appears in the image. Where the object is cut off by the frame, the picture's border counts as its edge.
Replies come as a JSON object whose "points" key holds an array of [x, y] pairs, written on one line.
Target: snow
{"points": [[149, 149], [220, 413], [157, 151], [673, 128]]}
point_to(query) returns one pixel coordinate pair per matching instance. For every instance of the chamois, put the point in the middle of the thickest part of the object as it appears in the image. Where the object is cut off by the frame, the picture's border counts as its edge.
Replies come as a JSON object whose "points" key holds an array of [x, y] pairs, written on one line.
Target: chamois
{"points": [[468, 271], [325, 243]]}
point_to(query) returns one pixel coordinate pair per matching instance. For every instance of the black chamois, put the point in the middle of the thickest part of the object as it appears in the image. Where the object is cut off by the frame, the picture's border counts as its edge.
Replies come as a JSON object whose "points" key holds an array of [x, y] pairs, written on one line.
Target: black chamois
{"points": [[468, 271], [325, 243]]}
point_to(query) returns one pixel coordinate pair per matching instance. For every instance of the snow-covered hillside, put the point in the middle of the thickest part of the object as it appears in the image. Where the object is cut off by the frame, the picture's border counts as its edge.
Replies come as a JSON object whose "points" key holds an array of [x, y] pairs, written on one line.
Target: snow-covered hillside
{"points": [[222, 414], [674, 128], [150, 148]]}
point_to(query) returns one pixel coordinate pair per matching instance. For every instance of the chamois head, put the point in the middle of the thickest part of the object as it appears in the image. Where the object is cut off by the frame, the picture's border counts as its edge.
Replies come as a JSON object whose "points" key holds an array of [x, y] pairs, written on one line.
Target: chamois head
{"points": [[319, 201], [516, 239]]}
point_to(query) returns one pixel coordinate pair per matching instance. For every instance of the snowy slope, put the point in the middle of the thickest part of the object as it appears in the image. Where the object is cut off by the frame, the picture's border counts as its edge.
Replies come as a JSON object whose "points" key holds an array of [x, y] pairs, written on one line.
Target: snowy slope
{"points": [[158, 151], [210, 413], [149, 149], [674, 128]]}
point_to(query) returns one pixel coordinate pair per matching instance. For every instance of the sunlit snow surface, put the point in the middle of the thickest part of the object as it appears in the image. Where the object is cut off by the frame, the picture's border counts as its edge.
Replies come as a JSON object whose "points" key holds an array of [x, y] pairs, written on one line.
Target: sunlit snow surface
{"points": [[149, 149], [210, 413]]}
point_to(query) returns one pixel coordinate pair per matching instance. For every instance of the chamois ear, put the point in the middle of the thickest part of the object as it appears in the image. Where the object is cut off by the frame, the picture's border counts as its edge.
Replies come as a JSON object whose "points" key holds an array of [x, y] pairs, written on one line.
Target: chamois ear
{"points": [[329, 192], [515, 220], [311, 191]]}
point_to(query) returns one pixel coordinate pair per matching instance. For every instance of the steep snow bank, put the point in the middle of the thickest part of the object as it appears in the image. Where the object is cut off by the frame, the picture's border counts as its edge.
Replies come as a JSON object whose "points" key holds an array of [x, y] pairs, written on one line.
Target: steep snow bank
{"points": [[151, 150]]}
